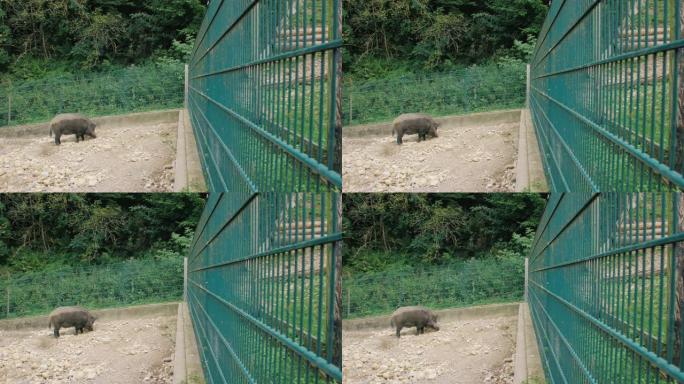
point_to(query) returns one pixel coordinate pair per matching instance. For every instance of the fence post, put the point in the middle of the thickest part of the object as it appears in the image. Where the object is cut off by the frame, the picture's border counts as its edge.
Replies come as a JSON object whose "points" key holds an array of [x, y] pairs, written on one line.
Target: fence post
{"points": [[9, 104], [528, 86], [9, 277], [187, 86], [348, 302], [185, 278], [351, 111], [527, 272]]}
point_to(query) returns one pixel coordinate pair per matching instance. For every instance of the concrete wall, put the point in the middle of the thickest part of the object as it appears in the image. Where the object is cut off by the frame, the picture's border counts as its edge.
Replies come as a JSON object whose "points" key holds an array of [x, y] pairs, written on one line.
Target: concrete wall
{"points": [[39, 322], [529, 168], [115, 121], [467, 313], [475, 119], [189, 176]]}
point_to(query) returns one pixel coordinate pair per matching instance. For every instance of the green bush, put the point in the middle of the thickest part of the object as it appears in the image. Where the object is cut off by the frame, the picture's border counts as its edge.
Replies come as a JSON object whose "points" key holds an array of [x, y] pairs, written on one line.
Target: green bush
{"points": [[463, 283], [473, 89], [135, 281], [147, 87]]}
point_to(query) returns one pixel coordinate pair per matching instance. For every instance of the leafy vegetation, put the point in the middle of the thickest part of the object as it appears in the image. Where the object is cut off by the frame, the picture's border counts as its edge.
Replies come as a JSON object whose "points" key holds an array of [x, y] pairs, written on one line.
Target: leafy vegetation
{"points": [[96, 250], [435, 34], [476, 88], [96, 57], [439, 250], [63, 35], [49, 231], [440, 57]]}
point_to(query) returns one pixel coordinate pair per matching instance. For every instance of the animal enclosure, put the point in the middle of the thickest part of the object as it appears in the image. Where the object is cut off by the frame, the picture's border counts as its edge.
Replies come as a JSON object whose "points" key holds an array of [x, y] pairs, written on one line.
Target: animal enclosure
{"points": [[263, 95], [264, 288], [607, 101], [605, 288]]}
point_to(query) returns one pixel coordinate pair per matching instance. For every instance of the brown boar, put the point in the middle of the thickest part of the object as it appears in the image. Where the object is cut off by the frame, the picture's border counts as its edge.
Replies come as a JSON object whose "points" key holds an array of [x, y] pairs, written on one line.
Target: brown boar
{"points": [[67, 317], [414, 123], [71, 124], [419, 317]]}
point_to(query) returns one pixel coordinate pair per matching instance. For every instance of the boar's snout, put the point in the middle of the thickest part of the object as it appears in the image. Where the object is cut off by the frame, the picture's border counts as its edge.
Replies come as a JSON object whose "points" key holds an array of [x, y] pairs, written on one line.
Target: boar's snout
{"points": [[91, 131]]}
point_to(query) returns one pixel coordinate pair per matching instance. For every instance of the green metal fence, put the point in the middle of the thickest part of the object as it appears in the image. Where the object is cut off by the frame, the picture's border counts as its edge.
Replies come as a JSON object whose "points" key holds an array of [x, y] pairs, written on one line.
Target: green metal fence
{"points": [[476, 281], [606, 288], [263, 95], [264, 288], [137, 281], [607, 95], [473, 89], [134, 89]]}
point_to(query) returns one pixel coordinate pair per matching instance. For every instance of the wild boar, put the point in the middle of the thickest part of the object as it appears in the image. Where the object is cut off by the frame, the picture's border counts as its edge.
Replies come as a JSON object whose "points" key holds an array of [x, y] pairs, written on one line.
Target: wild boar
{"points": [[72, 124], [66, 317], [419, 317], [414, 123]]}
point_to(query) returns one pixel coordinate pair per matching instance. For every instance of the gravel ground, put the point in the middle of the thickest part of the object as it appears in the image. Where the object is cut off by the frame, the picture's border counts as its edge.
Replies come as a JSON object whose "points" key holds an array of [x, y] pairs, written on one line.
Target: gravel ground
{"points": [[116, 352], [461, 352], [128, 159], [471, 159]]}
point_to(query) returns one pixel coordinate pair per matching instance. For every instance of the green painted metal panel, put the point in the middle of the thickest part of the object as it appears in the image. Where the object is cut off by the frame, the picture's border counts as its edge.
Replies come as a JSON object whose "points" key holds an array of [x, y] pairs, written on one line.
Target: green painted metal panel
{"points": [[606, 288], [607, 95], [263, 95], [264, 288]]}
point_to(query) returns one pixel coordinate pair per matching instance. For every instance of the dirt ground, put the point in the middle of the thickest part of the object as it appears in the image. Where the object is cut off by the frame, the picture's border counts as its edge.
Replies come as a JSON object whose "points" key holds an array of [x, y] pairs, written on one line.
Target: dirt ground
{"points": [[116, 352], [461, 352], [461, 159], [130, 159]]}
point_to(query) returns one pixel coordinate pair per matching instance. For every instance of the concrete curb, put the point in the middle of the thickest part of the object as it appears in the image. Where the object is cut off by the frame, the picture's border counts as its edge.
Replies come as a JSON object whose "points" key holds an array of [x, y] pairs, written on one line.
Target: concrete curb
{"points": [[189, 175], [187, 368], [485, 118], [467, 313], [39, 322], [527, 362], [114, 121], [529, 168], [180, 180]]}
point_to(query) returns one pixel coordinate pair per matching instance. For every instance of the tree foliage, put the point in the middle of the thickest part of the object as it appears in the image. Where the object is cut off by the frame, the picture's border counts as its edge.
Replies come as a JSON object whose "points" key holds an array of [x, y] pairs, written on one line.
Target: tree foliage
{"points": [[438, 33], [94, 32], [436, 228], [39, 229]]}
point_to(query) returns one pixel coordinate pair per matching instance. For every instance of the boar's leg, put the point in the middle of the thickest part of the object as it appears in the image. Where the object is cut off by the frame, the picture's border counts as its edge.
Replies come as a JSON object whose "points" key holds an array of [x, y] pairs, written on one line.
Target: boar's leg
{"points": [[399, 331], [56, 332], [57, 141], [399, 135]]}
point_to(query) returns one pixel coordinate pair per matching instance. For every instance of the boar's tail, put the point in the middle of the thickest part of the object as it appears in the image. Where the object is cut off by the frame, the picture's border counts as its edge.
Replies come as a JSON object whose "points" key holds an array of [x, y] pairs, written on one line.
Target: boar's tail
{"points": [[394, 132], [50, 323], [51, 131]]}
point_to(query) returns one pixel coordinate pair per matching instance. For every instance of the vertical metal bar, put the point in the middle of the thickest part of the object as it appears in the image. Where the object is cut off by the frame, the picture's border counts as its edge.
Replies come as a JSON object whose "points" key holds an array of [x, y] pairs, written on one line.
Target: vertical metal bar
{"points": [[9, 283], [9, 103], [187, 85], [527, 276], [336, 267], [528, 85], [185, 279]]}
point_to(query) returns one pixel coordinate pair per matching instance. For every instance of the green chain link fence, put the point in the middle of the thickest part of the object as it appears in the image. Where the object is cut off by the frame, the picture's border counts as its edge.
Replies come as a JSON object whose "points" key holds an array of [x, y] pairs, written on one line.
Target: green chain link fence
{"points": [[606, 288], [263, 95], [474, 89], [264, 288], [461, 284], [114, 285], [134, 89], [607, 95]]}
